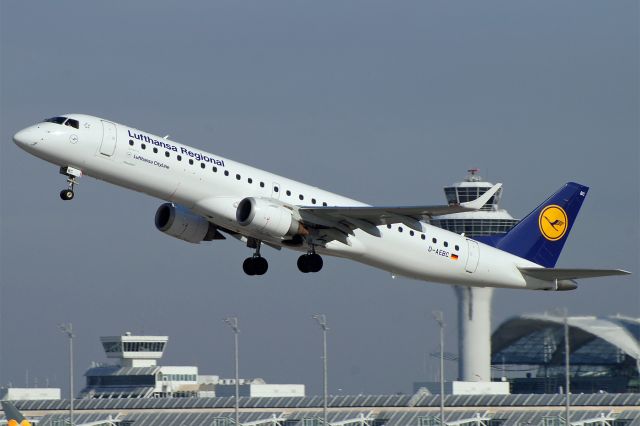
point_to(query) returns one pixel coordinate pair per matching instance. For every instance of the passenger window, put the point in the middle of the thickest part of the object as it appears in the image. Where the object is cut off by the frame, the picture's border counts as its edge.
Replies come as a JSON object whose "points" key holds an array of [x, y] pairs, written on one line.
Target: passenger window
{"points": [[130, 142], [389, 225], [399, 228], [276, 189], [433, 240], [166, 154], [155, 150], [457, 248], [215, 169], [313, 201], [301, 197], [288, 193], [261, 184], [179, 157], [324, 204], [226, 172], [423, 236], [202, 165], [191, 161], [237, 177], [143, 146], [411, 233], [250, 180]]}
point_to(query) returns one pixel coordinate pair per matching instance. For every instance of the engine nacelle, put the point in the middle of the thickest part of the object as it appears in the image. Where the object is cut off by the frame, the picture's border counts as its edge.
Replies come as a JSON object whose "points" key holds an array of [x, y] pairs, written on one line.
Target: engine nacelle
{"points": [[182, 224], [267, 217]]}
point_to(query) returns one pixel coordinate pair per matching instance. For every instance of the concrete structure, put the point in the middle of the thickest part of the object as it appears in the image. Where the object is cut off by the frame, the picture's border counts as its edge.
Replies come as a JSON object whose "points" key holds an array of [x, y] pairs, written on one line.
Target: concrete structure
{"points": [[261, 390], [14, 394], [420, 409], [465, 388], [136, 374], [474, 304]]}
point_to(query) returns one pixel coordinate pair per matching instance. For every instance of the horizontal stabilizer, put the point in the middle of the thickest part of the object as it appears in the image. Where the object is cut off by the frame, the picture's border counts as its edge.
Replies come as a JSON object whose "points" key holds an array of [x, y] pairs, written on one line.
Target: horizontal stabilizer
{"points": [[552, 274]]}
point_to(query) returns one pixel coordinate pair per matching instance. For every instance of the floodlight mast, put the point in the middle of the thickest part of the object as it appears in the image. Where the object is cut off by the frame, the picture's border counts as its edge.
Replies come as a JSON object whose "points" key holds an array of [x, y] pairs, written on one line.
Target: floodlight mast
{"points": [[439, 317], [567, 371], [233, 323], [68, 330], [322, 321]]}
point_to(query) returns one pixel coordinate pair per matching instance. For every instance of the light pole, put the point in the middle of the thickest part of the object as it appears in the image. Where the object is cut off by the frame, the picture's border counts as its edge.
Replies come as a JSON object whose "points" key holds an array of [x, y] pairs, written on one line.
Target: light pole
{"points": [[68, 330], [233, 323], [322, 321], [567, 381], [438, 316]]}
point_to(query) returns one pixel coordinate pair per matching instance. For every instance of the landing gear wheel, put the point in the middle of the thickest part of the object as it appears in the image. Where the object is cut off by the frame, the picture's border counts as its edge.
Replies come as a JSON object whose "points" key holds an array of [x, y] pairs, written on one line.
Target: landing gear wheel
{"points": [[256, 265], [315, 262], [260, 265], [72, 174], [66, 194], [303, 264], [310, 263], [248, 266]]}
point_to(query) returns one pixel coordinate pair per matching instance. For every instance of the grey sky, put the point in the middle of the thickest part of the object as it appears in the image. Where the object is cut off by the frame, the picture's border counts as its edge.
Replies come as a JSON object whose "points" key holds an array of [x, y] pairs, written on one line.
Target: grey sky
{"points": [[385, 102]]}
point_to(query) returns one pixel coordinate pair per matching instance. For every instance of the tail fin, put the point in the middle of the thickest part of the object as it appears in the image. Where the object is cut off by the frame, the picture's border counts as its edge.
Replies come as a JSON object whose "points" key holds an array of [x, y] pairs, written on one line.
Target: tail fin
{"points": [[540, 236], [13, 416]]}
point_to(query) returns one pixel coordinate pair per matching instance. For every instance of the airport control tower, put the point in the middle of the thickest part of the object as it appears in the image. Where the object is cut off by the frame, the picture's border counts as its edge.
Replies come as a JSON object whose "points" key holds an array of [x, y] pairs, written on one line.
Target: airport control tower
{"points": [[134, 351], [474, 303]]}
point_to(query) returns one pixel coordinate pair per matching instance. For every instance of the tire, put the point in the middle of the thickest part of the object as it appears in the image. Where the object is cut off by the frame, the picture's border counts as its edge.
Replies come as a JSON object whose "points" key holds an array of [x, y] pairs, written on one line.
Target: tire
{"points": [[303, 263], [315, 262], [248, 266], [260, 265], [66, 194]]}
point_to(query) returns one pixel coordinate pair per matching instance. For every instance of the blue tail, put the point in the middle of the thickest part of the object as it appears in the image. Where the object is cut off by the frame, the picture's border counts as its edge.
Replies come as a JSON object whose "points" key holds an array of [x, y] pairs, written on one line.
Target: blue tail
{"points": [[540, 236]]}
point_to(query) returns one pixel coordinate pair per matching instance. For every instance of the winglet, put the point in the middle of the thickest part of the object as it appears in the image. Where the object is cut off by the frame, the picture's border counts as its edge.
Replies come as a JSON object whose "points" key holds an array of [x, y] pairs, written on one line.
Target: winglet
{"points": [[483, 199], [13, 416]]}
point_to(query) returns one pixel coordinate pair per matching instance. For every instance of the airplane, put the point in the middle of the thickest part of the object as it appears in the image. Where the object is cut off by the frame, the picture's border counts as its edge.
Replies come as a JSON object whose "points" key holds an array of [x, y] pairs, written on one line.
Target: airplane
{"points": [[208, 196], [14, 417]]}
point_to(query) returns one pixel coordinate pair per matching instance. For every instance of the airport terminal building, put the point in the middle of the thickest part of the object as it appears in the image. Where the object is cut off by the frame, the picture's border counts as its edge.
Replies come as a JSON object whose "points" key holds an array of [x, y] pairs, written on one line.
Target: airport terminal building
{"points": [[604, 354]]}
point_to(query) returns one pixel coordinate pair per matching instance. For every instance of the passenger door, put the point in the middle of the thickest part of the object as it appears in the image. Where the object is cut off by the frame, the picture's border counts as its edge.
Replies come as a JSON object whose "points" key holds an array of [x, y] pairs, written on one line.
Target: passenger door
{"points": [[473, 256], [109, 138]]}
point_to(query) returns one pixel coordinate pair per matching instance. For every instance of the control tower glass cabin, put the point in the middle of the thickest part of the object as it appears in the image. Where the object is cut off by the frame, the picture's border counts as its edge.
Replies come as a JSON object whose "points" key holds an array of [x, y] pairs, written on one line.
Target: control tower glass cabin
{"points": [[489, 220]]}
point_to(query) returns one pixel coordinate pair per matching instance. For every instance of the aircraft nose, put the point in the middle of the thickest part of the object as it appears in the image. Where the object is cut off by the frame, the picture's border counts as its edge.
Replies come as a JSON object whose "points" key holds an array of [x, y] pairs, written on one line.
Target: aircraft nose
{"points": [[26, 137]]}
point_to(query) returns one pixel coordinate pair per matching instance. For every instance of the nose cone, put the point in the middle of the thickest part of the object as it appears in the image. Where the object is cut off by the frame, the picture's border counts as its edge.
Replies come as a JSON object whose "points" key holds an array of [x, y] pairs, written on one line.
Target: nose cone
{"points": [[26, 137]]}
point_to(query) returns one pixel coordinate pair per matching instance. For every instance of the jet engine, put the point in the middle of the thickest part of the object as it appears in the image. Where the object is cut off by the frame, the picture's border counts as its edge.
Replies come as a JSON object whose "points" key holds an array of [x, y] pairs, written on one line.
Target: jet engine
{"points": [[267, 217], [182, 224]]}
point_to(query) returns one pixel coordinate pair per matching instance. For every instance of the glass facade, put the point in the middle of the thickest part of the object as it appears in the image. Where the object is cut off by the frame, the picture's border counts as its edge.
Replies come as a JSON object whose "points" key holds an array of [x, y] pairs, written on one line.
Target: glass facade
{"points": [[476, 227], [116, 347]]}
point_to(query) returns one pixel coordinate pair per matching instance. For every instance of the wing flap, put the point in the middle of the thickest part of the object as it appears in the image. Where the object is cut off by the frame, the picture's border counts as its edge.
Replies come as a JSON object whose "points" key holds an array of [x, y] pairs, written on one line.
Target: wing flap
{"points": [[367, 218]]}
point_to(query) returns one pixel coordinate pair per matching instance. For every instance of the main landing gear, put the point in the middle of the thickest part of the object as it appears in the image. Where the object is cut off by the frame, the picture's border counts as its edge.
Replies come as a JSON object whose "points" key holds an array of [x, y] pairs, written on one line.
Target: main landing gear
{"points": [[71, 174], [310, 262], [256, 264]]}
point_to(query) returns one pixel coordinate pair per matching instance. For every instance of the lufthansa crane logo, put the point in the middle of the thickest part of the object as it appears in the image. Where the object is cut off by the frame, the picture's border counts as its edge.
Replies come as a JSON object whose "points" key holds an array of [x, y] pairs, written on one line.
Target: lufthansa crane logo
{"points": [[553, 222]]}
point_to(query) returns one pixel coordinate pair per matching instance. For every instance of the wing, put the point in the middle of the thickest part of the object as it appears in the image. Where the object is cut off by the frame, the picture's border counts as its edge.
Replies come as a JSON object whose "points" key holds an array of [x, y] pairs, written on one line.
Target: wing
{"points": [[551, 274], [346, 219]]}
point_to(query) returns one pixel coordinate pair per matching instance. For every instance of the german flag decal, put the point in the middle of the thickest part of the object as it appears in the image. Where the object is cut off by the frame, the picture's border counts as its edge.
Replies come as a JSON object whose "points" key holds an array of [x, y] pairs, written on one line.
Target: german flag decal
{"points": [[454, 256]]}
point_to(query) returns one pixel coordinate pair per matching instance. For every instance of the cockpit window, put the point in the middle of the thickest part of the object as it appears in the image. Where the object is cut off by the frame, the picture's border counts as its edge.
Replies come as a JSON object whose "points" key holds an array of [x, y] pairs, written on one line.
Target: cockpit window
{"points": [[57, 120], [64, 120], [72, 123]]}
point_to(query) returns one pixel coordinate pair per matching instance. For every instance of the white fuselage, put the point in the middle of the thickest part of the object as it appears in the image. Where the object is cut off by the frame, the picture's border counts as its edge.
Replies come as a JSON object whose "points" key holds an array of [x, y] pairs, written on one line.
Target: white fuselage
{"points": [[212, 186]]}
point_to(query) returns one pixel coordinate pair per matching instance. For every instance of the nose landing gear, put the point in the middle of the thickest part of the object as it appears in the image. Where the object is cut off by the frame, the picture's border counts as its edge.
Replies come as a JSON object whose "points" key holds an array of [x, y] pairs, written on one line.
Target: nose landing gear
{"points": [[71, 174]]}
